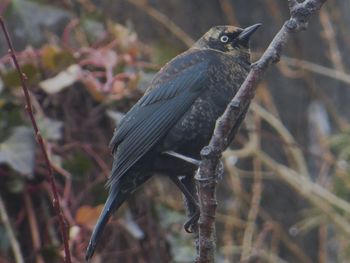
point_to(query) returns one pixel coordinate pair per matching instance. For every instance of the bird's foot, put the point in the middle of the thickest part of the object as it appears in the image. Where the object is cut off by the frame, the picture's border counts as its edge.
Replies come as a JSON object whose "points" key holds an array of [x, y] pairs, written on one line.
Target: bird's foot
{"points": [[191, 224]]}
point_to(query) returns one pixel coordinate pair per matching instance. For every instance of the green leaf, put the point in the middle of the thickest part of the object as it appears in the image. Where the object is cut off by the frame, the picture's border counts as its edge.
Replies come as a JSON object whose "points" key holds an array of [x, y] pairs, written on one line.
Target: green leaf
{"points": [[18, 151], [16, 184], [78, 165], [55, 59], [10, 117], [50, 253], [11, 78]]}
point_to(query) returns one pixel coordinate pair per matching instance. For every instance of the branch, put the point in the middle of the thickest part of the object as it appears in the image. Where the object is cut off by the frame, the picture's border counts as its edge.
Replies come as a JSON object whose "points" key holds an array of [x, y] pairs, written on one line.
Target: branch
{"points": [[206, 176], [318, 69], [164, 20], [292, 149], [253, 213], [40, 140], [33, 225], [17, 253], [321, 198]]}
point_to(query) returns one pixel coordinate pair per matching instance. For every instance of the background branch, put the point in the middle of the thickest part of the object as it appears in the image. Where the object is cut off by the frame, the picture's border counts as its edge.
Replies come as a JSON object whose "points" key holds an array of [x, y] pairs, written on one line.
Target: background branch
{"points": [[17, 253], [206, 176]]}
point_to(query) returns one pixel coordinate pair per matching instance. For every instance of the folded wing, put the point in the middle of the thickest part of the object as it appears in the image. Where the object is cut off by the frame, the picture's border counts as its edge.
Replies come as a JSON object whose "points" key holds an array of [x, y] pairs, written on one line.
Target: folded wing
{"points": [[154, 114]]}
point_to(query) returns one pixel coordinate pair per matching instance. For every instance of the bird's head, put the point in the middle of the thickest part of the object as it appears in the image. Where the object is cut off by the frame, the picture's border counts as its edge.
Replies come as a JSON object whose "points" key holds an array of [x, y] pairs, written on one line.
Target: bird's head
{"points": [[228, 39]]}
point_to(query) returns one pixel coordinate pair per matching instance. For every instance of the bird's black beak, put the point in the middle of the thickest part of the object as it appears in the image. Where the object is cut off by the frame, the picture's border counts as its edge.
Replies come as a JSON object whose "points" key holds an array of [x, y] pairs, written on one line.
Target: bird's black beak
{"points": [[245, 35]]}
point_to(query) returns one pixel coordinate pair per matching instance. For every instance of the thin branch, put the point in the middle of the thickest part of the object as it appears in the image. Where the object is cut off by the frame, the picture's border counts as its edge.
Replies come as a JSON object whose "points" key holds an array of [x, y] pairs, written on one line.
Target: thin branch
{"points": [[41, 142], [318, 69], [242, 195], [314, 193], [206, 176], [288, 139], [165, 21], [34, 229], [16, 249], [229, 12], [331, 39], [253, 213]]}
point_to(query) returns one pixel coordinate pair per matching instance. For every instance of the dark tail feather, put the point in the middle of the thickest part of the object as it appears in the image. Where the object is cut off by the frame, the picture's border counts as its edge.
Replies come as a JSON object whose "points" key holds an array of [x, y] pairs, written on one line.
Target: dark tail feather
{"points": [[114, 201]]}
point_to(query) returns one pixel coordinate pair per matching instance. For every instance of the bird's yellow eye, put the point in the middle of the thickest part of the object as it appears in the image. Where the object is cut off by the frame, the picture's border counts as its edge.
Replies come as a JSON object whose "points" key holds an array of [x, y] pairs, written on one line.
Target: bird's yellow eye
{"points": [[224, 39]]}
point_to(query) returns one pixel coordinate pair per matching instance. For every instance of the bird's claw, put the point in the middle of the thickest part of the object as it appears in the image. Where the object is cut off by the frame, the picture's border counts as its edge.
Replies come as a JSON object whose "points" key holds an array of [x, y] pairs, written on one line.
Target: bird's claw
{"points": [[191, 224]]}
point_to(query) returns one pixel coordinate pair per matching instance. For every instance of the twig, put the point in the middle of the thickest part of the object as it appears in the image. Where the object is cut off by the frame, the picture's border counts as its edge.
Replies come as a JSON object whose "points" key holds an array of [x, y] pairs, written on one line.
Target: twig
{"points": [[242, 195], [34, 229], [318, 69], [253, 213], [322, 251], [206, 176], [229, 12], [288, 139], [9, 231], [165, 21], [315, 194], [266, 256], [40, 140], [331, 39]]}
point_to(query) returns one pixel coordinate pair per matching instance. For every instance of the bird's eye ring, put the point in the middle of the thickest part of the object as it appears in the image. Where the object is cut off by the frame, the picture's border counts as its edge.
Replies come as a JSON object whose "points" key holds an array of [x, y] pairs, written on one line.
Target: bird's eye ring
{"points": [[224, 39]]}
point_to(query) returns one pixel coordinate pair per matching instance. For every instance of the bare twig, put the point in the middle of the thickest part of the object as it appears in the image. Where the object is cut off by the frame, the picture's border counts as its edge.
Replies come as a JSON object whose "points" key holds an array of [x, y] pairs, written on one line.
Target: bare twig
{"points": [[241, 194], [318, 196], [318, 69], [253, 213], [293, 150], [206, 176], [40, 140], [229, 12], [165, 21], [331, 39], [34, 229], [17, 253]]}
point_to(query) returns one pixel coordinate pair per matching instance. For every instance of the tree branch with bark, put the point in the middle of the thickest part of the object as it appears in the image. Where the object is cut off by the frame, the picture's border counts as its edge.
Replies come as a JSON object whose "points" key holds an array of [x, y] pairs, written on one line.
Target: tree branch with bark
{"points": [[300, 14]]}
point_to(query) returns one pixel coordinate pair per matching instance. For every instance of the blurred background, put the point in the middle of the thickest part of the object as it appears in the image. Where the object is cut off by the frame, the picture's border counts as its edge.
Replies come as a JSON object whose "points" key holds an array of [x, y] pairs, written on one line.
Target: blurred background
{"points": [[286, 190]]}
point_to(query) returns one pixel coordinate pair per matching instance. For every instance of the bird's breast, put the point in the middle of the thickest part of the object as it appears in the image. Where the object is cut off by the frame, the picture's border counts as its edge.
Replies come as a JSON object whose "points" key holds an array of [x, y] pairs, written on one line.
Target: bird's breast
{"points": [[194, 130]]}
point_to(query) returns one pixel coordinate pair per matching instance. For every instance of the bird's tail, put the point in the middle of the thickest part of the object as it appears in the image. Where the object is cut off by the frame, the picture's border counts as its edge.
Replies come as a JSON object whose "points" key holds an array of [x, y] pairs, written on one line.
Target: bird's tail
{"points": [[114, 201]]}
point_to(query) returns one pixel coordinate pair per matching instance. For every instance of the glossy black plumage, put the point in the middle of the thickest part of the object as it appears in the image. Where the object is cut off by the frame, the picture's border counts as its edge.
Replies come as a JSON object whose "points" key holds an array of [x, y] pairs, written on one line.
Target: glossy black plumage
{"points": [[153, 115], [177, 113]]}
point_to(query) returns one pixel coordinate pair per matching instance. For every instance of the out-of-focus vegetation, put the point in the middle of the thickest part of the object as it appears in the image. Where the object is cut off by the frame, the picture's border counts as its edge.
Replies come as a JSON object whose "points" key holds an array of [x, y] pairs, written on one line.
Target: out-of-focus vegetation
{"points": [[286, 193]]}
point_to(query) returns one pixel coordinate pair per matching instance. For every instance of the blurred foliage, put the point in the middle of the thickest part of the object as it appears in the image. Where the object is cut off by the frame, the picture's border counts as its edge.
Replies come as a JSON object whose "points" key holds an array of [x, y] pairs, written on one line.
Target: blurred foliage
{"points": [[84, 72], [105, 63], [341, 146], [18, 151]]}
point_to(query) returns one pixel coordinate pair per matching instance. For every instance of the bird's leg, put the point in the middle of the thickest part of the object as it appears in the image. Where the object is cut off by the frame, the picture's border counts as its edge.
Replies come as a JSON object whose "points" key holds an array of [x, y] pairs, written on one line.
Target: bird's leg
{"points": [[219, 168], [184, 158], [193, 207]]}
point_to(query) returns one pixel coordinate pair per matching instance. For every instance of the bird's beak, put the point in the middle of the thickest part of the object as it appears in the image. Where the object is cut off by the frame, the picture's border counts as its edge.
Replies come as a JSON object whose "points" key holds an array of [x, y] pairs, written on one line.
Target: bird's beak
{"points": [[245, 35]]}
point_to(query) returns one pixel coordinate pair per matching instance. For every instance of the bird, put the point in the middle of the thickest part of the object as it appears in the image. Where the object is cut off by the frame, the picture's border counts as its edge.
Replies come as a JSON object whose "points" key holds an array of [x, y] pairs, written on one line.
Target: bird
{"points": [[166, 129]]}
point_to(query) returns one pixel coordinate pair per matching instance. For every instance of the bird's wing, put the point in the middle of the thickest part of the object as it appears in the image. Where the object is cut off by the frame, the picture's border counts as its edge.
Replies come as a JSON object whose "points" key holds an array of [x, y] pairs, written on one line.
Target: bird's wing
{"points": [[154, 114]]}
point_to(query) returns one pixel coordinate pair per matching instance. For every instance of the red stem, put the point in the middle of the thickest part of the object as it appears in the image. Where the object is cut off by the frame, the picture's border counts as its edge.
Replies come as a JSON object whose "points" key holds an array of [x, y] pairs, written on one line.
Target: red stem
{"points": [[56, 202]]}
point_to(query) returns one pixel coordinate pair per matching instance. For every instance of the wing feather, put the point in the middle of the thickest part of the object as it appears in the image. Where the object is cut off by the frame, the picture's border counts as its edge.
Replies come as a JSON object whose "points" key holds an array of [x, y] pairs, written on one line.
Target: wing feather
{"points": [[152, 117]]}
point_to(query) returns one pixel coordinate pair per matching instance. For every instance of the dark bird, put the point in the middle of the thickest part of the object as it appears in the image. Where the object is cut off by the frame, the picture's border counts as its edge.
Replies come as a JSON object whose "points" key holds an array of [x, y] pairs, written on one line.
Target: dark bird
{"points": [[167, 128]]}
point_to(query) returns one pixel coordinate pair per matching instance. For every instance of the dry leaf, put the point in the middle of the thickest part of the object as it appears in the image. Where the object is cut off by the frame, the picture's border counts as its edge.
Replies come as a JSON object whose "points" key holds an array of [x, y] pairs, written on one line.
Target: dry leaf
{"points": [[88, 215], [61, 80]]}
